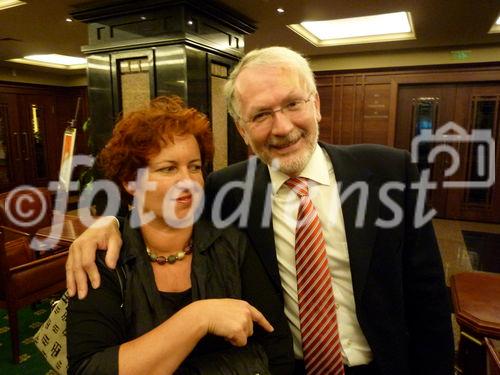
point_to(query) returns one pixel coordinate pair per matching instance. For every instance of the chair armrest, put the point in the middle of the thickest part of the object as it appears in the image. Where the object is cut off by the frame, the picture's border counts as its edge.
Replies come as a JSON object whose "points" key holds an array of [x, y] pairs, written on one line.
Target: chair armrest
{"points": [[17, 231], [37, 278], [39, 262], [18, 252]]}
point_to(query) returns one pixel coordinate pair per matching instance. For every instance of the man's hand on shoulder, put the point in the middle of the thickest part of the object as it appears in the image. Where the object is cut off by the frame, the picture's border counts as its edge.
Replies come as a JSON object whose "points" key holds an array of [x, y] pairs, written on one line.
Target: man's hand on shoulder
{"points": [[104, 234]]}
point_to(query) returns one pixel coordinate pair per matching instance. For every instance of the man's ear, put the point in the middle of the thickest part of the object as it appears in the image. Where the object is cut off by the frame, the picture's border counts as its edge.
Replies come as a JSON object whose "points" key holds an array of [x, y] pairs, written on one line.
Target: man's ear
{"points": [[317, 108], [243, 132]]}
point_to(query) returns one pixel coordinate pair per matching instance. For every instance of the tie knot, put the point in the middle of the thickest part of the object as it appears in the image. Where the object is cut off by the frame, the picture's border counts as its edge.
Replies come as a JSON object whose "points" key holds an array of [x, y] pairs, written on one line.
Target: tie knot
{"points": [[298, 185]]}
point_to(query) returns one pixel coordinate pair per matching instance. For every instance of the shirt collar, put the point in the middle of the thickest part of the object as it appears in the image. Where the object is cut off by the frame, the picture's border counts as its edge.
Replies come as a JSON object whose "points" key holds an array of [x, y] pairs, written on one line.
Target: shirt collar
{"points": [[316, 169]]}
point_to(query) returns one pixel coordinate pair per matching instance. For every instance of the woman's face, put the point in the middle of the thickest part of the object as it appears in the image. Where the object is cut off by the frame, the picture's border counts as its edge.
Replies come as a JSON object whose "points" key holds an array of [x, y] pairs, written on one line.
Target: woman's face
{"points": [[173, 187]]}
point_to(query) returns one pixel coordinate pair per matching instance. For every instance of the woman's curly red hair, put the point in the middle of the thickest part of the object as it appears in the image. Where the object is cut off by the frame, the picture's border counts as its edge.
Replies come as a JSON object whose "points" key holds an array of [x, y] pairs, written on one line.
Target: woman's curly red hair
{"points": [[141, 134]]}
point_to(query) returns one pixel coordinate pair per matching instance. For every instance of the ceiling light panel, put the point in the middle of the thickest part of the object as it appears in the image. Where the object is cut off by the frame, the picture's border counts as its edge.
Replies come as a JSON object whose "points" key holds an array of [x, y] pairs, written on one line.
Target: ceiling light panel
{"points": [[357, 30], [54, 61], [6, 4], [496, 27]]}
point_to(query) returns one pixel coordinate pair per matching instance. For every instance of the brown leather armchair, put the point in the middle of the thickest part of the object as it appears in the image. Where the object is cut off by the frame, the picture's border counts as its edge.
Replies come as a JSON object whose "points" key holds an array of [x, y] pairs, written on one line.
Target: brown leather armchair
{"points": [[25, 280]]}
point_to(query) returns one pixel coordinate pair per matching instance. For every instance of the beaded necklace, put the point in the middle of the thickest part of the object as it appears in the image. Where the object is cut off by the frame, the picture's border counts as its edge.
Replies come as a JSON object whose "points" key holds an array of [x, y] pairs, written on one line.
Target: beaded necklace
{"points": [[171, 259]]}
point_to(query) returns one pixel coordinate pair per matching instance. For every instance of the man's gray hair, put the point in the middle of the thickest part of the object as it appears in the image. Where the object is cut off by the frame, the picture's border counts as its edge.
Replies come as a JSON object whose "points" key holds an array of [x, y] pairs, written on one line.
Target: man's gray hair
{"points": [[271, 57]]}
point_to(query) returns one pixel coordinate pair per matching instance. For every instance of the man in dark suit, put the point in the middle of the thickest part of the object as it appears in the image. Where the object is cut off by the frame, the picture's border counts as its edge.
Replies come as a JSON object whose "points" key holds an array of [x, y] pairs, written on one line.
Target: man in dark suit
{"points": [[391, 311]]}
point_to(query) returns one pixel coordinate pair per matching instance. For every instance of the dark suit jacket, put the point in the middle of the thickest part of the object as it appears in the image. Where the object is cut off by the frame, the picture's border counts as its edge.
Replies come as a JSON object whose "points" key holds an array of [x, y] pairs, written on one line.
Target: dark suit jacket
{"points": [[401, 299]]}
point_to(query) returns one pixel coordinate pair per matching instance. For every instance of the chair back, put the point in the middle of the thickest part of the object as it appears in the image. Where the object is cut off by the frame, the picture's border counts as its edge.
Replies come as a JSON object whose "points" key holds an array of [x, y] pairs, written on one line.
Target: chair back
{"points": [[24, 281], [12, 253], [26, 210]]}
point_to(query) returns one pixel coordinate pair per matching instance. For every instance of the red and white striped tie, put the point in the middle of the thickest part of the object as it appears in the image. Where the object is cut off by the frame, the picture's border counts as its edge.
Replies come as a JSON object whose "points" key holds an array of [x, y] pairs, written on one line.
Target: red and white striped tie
{"points": [[318, 317]]}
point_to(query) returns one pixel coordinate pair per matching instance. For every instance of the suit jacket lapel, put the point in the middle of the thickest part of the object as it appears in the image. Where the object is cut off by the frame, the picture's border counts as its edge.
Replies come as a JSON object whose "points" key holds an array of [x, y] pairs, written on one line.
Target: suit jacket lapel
{"points": [[260, 227], [360, 239]]}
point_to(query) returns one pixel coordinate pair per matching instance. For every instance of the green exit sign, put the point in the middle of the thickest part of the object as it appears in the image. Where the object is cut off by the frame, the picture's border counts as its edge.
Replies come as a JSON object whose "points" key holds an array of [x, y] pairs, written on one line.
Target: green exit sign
{"points": [[460, 55]]}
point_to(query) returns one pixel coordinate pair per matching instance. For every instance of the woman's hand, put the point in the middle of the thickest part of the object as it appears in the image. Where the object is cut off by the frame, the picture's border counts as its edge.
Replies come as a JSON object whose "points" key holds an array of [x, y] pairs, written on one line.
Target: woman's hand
{"points": [[231, 318]]}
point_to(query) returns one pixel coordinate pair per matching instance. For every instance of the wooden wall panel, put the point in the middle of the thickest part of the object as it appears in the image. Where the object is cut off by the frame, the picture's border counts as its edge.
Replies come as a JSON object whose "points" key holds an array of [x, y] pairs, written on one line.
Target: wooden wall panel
{"points": [[375, 118], [325, 91], [362, 105], [345, 119]]}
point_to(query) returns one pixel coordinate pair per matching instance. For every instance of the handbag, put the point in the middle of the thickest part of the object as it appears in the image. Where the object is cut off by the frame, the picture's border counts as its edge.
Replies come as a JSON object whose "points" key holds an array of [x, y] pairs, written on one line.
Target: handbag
{"points": [[50, 338]]}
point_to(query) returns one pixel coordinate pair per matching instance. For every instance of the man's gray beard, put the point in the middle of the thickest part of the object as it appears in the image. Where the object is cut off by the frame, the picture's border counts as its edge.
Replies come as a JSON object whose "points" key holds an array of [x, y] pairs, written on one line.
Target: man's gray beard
{"points": [[293, 167]]}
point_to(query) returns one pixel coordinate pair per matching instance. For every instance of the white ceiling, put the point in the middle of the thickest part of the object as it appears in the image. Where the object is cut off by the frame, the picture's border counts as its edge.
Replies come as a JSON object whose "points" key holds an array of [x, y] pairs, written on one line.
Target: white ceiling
{"points": [[40, 27]]}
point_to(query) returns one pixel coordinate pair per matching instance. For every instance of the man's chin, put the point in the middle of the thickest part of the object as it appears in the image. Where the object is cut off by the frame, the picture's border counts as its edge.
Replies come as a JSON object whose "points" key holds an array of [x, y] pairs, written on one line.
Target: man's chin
{"points": [[289, 165]]}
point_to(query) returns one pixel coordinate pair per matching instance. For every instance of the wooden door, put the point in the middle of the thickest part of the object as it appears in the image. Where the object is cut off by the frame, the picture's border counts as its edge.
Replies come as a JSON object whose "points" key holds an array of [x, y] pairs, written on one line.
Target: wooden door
{"points": [[426, 108], [471, 106], [24, 121], [11, 157], [37, 115], [477, 108]]}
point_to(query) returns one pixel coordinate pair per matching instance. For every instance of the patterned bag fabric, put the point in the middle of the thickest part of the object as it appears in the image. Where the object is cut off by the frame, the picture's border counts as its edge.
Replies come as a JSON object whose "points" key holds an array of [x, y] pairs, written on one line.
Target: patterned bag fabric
{"points": [[51, 336]]}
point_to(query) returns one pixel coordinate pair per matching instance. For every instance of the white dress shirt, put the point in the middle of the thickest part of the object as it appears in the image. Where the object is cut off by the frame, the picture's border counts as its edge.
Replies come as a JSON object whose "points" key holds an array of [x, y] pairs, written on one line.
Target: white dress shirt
{"points": [[324, 194]]}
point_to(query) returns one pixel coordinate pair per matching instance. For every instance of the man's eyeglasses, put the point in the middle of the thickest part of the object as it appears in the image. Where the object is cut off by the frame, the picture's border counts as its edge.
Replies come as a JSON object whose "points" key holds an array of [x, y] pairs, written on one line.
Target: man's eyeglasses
{"points": [[291, 110]]}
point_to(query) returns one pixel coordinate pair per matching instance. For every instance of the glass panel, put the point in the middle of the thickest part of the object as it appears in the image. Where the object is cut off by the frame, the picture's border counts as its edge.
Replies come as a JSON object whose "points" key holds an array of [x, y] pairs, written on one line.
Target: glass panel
{"points": [[4, 162], [485, 112], [425, 115], [38, 141], [219, 74], [134, 83]]}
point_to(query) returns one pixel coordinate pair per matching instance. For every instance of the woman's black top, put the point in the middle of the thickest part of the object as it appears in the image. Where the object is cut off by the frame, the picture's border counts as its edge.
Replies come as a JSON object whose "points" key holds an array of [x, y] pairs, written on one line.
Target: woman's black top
{"points": [[224, 265]]}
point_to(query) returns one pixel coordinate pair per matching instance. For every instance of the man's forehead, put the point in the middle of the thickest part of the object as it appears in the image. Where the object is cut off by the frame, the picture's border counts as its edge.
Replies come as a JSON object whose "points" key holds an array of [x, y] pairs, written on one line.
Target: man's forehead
{"points": [[254, 89], [255, 73]]}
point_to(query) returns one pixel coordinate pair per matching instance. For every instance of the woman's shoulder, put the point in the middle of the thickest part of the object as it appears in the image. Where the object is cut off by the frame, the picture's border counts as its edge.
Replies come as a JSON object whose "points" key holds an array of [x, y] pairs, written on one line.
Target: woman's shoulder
{"points": [[207, 233]]}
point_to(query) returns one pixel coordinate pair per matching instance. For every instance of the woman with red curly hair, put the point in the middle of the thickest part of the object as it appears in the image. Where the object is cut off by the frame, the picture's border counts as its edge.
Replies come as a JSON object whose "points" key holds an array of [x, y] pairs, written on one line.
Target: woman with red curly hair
{"points": [[190, 292]]}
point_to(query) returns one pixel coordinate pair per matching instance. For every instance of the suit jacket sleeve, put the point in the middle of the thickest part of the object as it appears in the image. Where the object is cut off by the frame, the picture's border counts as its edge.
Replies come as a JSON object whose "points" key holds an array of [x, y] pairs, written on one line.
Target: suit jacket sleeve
{"points": [[260, 293], [426, 297]]}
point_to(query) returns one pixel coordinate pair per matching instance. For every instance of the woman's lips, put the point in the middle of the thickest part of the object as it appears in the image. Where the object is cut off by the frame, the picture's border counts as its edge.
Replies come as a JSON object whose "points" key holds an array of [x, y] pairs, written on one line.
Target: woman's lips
{"points": [[187, 198]]}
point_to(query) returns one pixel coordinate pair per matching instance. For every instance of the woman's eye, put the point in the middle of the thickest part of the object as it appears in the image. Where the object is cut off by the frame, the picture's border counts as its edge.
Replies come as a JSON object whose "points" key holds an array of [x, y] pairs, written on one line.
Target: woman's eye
{"points": [[168, 169], [195, 168]]}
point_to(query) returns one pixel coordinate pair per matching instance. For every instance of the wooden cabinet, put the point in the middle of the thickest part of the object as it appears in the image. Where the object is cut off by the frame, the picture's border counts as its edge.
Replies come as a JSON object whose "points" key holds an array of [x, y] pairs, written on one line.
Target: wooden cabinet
{"points": [[32, 122]]}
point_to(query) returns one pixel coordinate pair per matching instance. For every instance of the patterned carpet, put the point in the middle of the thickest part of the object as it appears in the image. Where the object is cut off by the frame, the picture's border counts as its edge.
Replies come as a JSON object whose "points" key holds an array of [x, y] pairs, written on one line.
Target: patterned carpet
{"points": [[32, 362]]}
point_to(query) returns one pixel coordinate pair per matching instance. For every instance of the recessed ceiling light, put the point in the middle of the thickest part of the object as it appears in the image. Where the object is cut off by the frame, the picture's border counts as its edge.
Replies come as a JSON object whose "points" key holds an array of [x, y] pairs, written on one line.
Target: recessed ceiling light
{"points": [[69, 20], [496, 27], [54, 61], [357, 30], [280, 10], [143, 18], [5, 4]]}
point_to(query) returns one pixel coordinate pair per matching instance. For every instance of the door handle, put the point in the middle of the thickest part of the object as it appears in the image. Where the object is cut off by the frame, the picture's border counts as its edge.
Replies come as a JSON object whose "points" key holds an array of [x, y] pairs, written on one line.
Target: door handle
{"points": [[25, 136]]}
